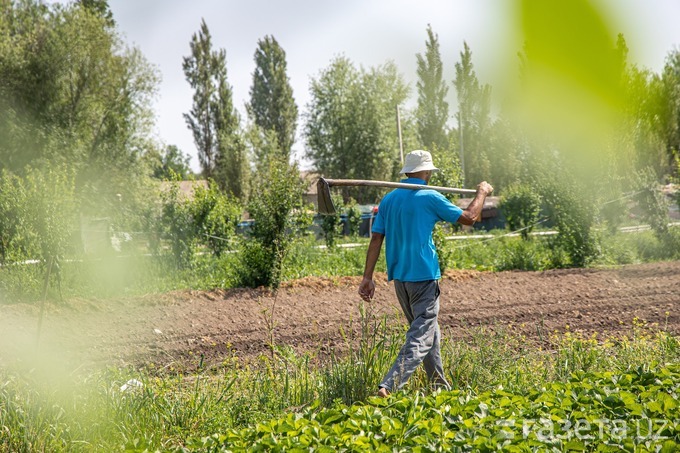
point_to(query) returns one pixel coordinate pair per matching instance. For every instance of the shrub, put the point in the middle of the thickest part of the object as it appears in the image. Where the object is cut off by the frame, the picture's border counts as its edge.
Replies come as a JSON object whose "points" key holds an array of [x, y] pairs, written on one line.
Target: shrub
{"points": [[210, 218], [353, 216], [331, 225], [572, 212], [521, 205], [176, 225], [215, 217], [652, 202], [37, 220], [37, 214], [277, 208]]}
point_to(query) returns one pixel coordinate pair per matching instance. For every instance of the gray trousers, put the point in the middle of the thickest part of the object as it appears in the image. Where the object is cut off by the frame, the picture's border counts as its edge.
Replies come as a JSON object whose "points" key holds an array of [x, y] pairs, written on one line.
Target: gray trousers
{"points": [[420, 303]]}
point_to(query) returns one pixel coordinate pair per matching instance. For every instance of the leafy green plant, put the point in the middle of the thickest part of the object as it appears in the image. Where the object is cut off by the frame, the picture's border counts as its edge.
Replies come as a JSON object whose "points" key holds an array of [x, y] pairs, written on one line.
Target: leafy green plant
{"points": [[570, 209], [275, 207], [299, 401], [353, 216], [176, 225], [331, 225], [215, 217], [630, 410], [521, 206]]}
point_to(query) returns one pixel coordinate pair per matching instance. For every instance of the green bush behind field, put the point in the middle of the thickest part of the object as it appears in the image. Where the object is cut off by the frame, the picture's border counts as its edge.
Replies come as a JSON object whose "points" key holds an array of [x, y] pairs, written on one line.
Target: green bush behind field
{"points": [[315, 401]]}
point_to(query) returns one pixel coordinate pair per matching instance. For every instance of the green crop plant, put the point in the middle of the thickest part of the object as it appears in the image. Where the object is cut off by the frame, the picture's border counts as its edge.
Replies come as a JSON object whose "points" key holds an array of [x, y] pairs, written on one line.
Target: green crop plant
{"points": [[312, 400], [634, 410]]}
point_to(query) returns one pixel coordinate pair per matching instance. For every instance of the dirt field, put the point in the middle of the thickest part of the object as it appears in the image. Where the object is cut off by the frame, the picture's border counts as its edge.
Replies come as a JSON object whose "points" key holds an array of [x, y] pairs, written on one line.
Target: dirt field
{"points": [[176, 329]]}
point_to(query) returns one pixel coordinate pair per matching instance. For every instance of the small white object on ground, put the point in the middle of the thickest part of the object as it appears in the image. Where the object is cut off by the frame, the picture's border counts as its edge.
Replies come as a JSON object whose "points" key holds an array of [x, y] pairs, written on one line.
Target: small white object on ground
{"points": [[131, 384]]}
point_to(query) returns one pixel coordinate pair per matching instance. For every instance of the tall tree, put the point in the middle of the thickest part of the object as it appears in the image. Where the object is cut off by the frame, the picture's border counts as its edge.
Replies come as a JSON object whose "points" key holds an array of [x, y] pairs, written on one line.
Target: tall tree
{"points": [[213, 120], [272, 106], [99, 8], [671, 109], [350, 129], [72, 94], [433, 110], [170, 163], [474, 121]]}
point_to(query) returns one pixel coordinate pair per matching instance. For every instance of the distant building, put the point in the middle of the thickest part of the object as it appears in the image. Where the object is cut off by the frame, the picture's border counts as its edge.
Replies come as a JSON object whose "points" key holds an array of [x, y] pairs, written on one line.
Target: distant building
{"points": [[310, 195], [186, 188], [672, 193], [492, 216]]}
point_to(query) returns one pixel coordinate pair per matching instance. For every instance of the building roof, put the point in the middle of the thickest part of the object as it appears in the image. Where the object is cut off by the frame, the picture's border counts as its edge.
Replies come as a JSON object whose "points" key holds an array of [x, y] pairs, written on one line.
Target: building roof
{"points": [[186, 188], [311, 177]]}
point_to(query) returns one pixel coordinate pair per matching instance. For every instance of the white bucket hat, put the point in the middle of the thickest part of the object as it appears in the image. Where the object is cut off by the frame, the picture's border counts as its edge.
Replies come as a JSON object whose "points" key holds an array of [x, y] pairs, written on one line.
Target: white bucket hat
{"points": [[418, 160]]}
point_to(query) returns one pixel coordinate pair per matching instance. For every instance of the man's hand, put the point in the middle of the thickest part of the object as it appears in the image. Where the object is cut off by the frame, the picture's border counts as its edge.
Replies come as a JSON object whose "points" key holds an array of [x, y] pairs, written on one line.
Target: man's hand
{"points": [[367, 289], [484, 187], [473, 212]]}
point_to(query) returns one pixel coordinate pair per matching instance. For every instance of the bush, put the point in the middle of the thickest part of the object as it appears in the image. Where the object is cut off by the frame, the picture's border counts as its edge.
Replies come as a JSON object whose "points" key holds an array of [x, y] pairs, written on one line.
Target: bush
{"points": [[521, 206], [572, 212], [655, 207], [331, 225], [37, 214], [176, 225], [215, 217], [277, 208], [210, 218], [523, 255], [353, 216], [37, 220]]}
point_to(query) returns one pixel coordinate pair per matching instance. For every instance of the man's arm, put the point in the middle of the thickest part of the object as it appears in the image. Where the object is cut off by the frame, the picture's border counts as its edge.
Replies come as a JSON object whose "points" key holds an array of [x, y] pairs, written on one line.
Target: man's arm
{"points": [[474, 209], [367, 287]]}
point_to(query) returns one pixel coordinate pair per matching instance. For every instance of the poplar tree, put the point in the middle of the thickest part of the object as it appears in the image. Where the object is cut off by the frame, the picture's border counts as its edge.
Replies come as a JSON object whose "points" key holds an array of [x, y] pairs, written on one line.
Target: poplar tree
{"points": [[213, 120], [272, 107], [433, 110], [474, 121]]}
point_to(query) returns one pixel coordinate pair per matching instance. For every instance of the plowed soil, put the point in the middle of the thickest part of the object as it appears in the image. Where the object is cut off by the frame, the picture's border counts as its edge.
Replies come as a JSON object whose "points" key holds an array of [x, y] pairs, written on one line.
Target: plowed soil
{"points": [[178, 328]]}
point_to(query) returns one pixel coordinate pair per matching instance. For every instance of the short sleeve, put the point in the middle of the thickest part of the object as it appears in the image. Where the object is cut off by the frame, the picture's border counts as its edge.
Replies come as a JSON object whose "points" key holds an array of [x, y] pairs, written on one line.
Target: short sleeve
{"points": [[379, 223], [444, 209]]}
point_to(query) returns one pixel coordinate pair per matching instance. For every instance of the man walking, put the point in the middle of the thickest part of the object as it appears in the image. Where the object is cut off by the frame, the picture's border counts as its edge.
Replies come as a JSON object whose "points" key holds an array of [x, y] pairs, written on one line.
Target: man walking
{"points": [[405, 222]]}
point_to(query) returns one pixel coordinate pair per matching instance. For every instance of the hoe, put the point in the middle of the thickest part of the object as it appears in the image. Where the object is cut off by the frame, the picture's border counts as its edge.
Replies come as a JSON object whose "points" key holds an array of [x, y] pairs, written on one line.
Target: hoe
{"points": [[323, 189]]}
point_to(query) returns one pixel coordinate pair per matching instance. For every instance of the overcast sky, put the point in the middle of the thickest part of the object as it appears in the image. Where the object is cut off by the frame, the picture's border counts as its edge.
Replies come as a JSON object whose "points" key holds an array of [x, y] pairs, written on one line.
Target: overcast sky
{"points": [[368, 32]]}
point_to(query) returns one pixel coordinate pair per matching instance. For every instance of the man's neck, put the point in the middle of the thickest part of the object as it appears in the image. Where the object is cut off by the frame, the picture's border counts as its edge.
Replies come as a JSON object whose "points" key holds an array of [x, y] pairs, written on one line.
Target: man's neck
{"points": [[423, 175]]}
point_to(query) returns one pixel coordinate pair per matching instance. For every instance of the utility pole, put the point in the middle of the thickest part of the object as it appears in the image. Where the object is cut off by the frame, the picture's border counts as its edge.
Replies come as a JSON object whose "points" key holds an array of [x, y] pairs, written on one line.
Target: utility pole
{"points": [[401, 144], [460, 139]]}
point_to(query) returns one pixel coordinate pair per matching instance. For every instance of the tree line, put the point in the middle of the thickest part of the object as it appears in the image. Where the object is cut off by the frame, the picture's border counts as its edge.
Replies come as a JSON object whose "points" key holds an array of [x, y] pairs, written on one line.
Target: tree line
{"points": [[76, 113], [74, 93]]}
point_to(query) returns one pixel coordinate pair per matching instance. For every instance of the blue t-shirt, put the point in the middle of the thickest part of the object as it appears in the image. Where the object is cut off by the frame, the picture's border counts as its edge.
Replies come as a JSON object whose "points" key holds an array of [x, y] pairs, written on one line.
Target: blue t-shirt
{"points": [[406, 218]]}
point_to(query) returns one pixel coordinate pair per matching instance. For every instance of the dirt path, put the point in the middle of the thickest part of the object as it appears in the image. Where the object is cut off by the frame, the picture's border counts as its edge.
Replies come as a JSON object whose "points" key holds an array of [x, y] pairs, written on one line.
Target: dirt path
{"points": [[177, 328]]}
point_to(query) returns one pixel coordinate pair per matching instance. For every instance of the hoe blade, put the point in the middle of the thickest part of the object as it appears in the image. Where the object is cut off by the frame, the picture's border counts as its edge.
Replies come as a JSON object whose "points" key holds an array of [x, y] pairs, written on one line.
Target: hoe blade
{"points": [[323, 193]]}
